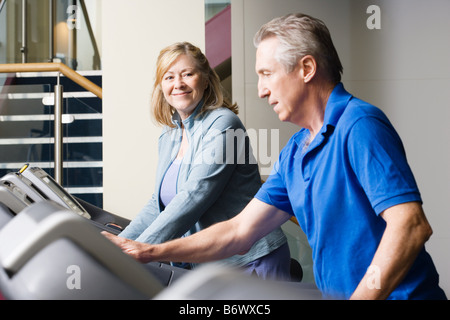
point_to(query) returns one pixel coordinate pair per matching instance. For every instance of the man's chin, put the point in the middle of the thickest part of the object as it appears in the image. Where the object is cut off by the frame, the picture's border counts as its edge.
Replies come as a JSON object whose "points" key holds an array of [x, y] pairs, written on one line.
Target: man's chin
{"points": [[282, 117]]}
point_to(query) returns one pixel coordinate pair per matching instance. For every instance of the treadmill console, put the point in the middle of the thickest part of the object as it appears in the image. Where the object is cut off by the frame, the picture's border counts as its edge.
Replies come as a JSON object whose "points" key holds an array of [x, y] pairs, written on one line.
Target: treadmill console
{"points": [[46, 186]]}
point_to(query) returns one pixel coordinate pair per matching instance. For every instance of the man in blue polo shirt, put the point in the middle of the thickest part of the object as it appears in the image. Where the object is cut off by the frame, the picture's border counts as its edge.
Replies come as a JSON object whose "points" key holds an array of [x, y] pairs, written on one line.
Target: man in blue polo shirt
{"points": [[344, 176]]}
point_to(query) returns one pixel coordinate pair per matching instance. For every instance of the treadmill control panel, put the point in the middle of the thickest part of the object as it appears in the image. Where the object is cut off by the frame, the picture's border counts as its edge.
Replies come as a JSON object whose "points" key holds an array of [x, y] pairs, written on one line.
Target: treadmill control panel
{"points": [[47, 186]]}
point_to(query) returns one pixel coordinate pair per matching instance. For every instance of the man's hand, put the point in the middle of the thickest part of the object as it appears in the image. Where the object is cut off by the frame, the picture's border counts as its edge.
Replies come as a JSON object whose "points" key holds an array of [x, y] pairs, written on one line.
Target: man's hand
{"points": [[137, 250]]}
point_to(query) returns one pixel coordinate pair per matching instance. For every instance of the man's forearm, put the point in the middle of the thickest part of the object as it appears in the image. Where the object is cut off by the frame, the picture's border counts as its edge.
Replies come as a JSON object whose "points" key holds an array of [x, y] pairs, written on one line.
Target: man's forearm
{"points": [[406, 232], [203, 246], [390, 265], [200, 247], [220, 241]]}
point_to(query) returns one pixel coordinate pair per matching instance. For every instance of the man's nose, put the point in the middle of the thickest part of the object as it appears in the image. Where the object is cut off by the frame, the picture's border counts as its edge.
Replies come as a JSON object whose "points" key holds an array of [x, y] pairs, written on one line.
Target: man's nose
{"points": [[263, 92]]}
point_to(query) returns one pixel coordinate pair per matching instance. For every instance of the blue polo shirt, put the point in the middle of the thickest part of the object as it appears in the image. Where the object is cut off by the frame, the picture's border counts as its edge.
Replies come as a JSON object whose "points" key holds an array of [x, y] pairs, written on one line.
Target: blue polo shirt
{"points": [[337, 186]]}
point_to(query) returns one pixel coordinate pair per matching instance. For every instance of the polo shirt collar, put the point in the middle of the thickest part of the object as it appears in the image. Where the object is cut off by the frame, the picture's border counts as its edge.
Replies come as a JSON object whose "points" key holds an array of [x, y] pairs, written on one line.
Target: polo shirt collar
{"points": [[336, 104]]}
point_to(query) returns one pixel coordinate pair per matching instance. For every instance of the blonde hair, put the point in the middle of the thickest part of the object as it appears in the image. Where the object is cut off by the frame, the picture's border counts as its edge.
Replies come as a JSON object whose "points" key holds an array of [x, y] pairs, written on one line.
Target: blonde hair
{"points": [[213, 97]]}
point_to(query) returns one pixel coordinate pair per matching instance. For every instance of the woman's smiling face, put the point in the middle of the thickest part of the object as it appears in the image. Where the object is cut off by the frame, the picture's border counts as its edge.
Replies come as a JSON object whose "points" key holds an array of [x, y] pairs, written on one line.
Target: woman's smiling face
{"points": [[183, 85]]}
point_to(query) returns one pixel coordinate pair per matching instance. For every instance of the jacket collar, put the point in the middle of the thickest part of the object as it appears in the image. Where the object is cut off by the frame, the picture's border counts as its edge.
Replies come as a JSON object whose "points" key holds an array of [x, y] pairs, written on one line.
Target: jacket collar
{"points": [[190, 121]]}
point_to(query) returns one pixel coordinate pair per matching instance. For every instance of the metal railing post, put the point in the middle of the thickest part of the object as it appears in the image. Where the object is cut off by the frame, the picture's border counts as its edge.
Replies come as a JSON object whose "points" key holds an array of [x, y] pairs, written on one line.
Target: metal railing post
{"points": [[51, 29], [23, 48], [58, 143]]}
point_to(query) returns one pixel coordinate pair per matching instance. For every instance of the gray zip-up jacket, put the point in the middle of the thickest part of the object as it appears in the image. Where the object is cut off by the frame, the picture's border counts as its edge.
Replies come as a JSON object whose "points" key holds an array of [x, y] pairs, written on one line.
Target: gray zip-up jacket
{"points": [[217, 178]]}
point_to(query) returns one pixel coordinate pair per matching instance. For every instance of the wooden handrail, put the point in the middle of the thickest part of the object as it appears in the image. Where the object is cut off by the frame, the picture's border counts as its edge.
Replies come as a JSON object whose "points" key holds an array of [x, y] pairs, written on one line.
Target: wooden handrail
{"points": [[294, 220], [52, 67]]}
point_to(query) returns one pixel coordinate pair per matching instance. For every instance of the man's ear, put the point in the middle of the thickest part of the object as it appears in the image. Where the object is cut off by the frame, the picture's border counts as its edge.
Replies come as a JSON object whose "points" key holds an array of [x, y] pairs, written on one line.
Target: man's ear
{"points": [[308, 67]]}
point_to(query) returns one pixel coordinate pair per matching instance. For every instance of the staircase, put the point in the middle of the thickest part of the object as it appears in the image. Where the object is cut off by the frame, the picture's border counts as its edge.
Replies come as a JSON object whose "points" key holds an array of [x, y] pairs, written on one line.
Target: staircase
{"points": [[26, 130]]}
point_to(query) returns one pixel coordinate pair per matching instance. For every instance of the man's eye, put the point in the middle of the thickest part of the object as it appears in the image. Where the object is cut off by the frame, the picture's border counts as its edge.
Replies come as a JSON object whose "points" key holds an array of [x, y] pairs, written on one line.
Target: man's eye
{"points": [[265, 74]]}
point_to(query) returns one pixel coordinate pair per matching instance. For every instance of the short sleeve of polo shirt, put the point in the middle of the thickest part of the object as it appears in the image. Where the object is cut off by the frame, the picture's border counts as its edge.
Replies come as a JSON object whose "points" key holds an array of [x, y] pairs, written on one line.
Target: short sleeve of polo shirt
{"points": [[273, 191], [378, 159]]}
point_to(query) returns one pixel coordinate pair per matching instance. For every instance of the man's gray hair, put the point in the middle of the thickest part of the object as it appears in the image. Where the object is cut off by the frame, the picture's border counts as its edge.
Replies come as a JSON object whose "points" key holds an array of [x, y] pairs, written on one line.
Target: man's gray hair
{"points": [[301, 35]]}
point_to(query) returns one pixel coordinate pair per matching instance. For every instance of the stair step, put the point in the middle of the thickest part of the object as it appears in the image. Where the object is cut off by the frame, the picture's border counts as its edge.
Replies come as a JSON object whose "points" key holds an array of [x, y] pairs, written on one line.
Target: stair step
{"points": [[49, 140], [84, 73], [66, 118], [84, 190], [47, 97], [50, 165]]}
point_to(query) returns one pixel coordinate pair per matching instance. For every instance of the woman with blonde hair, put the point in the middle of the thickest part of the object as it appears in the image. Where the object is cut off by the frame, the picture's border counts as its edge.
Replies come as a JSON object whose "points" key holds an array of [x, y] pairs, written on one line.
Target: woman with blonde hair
{"points": [[206, 172]]}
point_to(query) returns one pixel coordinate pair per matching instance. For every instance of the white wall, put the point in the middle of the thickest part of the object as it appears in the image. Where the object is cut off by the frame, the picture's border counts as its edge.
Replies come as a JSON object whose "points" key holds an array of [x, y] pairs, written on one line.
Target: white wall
{"points": [[133, 33], [403, 68]]}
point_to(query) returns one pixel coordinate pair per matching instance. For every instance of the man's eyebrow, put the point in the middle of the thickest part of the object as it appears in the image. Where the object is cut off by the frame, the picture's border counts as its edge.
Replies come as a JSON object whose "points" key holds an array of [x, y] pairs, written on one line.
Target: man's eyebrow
{"points": [[263, 70]]}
